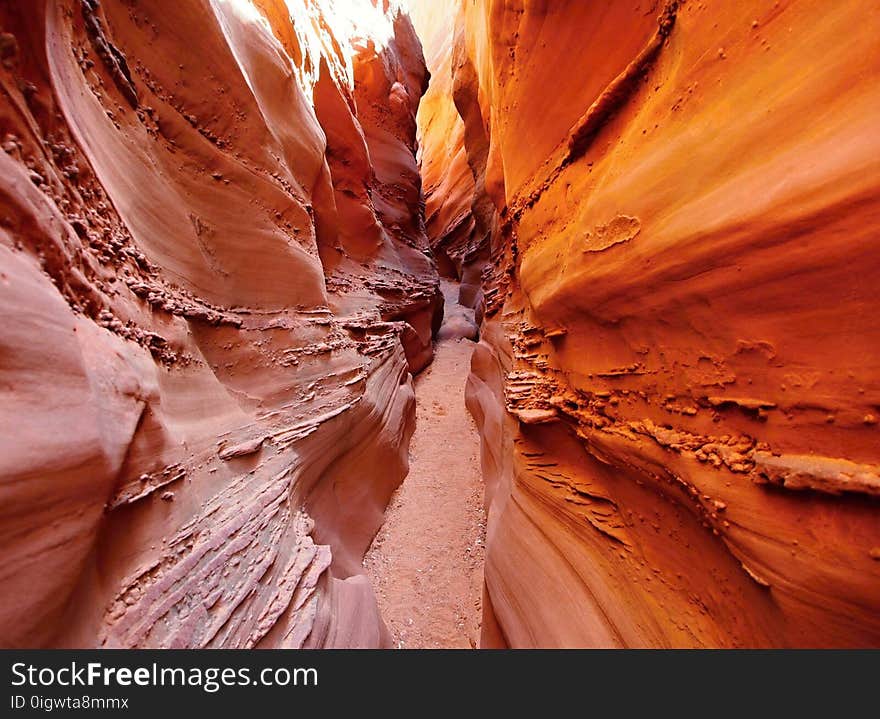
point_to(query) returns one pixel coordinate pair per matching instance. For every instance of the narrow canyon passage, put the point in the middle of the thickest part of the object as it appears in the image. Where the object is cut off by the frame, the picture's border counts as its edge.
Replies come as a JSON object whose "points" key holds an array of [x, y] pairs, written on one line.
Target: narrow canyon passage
{"points": [[426, 562], [223, 226]]}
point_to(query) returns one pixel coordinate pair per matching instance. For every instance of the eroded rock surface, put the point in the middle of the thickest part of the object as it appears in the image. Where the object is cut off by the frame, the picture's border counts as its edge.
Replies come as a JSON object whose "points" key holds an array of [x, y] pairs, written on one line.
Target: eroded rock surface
{"points": [[214, 284], [677, 381], [216, 281], [453, 145]]}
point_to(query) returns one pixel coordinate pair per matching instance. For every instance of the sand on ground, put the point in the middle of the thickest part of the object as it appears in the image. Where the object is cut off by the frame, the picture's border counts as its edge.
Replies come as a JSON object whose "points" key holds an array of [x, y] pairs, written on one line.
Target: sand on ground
{"points": [[426, 562]]}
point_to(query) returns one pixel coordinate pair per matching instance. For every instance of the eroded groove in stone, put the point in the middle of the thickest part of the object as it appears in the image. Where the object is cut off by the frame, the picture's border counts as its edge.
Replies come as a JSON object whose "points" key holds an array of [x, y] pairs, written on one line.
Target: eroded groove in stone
{"points": [[676, 382]]}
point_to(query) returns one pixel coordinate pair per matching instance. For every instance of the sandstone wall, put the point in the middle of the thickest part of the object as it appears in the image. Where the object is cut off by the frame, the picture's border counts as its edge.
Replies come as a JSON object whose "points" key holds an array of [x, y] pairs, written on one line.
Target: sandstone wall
{"points": [[452, 145], [215, 282], [678, 384]]}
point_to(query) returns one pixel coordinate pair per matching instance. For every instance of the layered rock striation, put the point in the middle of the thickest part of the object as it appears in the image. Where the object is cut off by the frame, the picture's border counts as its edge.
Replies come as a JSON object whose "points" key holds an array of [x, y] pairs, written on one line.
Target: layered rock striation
{"points": [[215, 283], [459, 215], [217, 278], [677, 381]]}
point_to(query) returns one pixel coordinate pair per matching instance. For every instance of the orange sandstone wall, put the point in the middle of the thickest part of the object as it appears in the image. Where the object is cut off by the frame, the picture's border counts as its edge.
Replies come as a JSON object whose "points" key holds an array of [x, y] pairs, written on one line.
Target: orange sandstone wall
{"points": [[677, 382], [452, 147], [214, 283]]}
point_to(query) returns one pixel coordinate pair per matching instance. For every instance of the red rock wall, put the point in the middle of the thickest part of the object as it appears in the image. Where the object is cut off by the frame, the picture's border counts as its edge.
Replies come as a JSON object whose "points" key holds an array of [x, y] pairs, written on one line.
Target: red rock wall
{"points": [[452, 152], [214, 283], [677, 382]]}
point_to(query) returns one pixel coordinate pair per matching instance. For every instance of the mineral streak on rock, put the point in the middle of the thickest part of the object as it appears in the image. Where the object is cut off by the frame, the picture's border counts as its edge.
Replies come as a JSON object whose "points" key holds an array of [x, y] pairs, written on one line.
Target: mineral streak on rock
{"points": [[214, 282], [677, 381]]}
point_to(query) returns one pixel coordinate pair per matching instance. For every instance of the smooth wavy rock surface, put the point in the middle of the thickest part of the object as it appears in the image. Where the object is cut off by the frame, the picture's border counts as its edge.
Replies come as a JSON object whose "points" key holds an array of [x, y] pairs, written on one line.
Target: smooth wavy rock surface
{"points": [[677, 382], [214, 284], [452, 145]]}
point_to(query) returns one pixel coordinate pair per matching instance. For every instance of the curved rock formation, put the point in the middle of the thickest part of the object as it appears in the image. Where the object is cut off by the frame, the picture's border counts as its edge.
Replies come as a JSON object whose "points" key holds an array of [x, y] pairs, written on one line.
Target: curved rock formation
{"points": [[215, 282], [458, 214], [677, 380], [217, 277]]}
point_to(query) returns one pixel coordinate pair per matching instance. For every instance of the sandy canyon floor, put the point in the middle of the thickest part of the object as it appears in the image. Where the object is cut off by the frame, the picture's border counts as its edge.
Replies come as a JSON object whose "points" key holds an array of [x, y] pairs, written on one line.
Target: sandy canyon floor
{"points": [[426, 563]]}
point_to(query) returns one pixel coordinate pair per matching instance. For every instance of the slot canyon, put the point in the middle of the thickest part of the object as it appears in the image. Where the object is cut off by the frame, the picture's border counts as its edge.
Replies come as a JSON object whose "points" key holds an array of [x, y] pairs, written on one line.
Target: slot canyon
{"points": [[440, 323]]}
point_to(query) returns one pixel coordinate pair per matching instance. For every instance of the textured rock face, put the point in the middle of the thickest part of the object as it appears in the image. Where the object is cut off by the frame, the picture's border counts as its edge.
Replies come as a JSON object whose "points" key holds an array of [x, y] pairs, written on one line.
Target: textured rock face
{"points": [[452, 142], [677, 382], [214, 282]]}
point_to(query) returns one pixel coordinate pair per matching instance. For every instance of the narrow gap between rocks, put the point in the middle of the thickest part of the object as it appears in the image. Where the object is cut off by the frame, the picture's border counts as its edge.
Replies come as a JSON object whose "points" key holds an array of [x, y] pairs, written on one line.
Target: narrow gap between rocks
{"points": [[426, 562]]}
